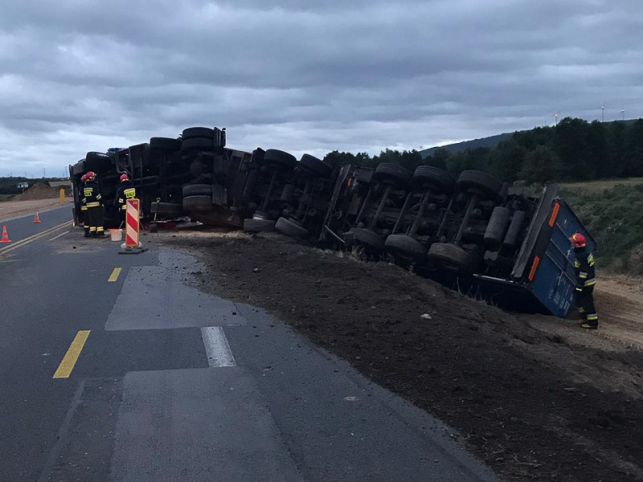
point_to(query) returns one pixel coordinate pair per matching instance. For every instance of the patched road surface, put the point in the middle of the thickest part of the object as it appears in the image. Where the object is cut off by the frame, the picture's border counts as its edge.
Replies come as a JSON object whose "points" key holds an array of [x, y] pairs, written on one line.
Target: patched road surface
{"points": [[116, 368]]}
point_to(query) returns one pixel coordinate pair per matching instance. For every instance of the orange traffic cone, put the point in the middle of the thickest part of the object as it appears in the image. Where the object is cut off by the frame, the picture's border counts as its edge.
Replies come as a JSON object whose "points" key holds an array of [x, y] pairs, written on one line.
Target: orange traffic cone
{"points": [[5, 236], [36, 218]]}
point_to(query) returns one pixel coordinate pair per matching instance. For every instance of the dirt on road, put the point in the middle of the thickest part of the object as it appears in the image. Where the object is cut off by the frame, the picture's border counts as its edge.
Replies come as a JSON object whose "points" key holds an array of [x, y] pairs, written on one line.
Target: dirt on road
{"points": [[12, 209], [534, 396]]}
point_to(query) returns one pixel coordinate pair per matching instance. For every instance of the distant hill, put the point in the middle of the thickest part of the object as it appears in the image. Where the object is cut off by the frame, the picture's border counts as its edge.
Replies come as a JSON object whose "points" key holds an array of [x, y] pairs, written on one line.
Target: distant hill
{"points": [[488, 142]]}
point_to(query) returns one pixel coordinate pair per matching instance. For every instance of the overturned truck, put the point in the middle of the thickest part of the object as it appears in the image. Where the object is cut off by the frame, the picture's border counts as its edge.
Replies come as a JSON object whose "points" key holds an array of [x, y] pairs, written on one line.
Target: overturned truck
{"points": [[472, 231]]}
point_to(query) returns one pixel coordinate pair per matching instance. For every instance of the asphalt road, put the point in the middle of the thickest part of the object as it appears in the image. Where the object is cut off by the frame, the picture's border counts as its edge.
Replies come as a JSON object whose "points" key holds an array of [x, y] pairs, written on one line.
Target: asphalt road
{"points": [[135, 375]]}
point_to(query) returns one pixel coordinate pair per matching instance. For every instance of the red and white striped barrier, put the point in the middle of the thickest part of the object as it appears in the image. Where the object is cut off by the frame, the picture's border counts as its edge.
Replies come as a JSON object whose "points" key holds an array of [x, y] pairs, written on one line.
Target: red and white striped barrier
{"points": [[132, 224]]}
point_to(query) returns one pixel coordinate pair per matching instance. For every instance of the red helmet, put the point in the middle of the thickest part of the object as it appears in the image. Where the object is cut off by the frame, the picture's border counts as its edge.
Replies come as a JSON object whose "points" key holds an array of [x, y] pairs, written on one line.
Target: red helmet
{"points": [[124, 177], [90, 175], [83, 178], [578, 240]]}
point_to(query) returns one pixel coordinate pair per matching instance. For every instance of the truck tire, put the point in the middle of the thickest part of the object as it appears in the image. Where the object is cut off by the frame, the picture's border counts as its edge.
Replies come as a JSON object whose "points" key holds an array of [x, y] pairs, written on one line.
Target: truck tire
{"points": [[291, 228], [194, 143], [79, 168], [439, 180], [512, 237], [387, 171], [280, 159], [480, 182], [367, 238], [197, 190], [258, 214], [450, 257], [165, 143], [315, 166], [166, 209], [405, 247], [197, 203], [251, 225], [97, 162], [496, 228], [192, 132]]}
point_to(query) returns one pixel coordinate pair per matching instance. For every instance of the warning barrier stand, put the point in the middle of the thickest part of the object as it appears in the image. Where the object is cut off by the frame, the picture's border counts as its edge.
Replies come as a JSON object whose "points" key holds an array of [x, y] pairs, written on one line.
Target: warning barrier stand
{"points": [[132, 244]]}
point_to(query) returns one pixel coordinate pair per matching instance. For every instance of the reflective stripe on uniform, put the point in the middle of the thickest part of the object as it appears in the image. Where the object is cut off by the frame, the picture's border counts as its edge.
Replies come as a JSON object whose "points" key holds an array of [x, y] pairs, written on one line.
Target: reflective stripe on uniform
{"points": [[582, 275], [590, 260], [576, 263], [93, 205], [92, 229], [590, 282], [100, 229], [83, 208], [592, 317]]}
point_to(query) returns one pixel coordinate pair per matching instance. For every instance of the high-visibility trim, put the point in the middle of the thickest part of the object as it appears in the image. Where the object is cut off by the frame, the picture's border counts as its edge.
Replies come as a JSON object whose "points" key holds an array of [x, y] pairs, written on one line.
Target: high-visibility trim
{"points": [[92, 229], [554, 214], [93, 205], [100, 229], [582, 275], [590, 282], [590, 260], [592, 317], [576, 264], [83, 208], [534, 267]]}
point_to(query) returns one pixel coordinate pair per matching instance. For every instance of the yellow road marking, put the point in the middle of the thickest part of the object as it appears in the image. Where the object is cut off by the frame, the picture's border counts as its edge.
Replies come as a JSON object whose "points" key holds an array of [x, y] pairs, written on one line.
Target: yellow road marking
{"points": [[32, 238], [71, 357], [114, 276]]}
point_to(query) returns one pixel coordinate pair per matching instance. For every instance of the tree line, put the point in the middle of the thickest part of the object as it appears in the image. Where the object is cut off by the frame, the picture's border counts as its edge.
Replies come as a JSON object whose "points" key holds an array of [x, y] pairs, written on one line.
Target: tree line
{"points": [[573, 150]]}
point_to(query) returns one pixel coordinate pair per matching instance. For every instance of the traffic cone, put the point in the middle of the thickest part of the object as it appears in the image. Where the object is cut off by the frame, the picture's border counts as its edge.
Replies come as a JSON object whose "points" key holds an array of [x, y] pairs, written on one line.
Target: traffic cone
{"points": [[36, 218], [5, 236]]}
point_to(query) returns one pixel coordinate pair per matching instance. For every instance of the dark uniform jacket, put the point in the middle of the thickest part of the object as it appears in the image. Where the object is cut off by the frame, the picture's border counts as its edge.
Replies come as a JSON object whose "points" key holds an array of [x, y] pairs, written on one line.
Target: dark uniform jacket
{"points": [[584, 266], [126, 191], [91, 195]]}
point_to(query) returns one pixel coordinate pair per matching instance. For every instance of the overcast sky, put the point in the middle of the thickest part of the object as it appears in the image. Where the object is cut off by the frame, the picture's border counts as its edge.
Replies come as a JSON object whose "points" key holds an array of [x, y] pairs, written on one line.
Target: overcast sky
{"points": [[305, 76]]}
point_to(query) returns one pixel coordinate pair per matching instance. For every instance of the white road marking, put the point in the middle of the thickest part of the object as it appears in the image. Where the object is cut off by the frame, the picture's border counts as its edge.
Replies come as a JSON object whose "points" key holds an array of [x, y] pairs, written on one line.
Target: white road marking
{"points": [[59, 236], [217, 348]]}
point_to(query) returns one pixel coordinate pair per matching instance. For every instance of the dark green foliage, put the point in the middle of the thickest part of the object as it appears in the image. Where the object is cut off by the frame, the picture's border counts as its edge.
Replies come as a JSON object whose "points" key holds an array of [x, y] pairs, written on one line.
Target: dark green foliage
{"points": [[9, 185], [438, 158], [633, 155], [573, 150], [615, 219], [540, 165]]}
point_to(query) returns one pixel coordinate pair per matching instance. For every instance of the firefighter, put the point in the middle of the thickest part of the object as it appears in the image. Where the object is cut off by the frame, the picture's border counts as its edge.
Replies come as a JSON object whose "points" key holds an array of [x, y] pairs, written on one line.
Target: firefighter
{"points": [[93, 201], [585, 281], [83, 206], [126, 191]]}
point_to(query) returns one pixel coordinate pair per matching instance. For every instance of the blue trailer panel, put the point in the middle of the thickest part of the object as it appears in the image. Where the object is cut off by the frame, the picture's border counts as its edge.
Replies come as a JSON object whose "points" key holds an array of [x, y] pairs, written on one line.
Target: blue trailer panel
{"points": [[549, 273]]}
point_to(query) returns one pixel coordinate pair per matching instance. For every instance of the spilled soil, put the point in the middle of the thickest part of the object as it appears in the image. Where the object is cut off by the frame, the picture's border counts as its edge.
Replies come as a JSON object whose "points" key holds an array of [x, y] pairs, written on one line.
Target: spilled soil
{"points": [[535, 397]]}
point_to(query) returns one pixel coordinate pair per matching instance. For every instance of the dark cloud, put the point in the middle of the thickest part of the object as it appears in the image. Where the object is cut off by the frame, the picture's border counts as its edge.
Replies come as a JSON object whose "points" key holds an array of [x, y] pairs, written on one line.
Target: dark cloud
{"points": [[312, 76]]}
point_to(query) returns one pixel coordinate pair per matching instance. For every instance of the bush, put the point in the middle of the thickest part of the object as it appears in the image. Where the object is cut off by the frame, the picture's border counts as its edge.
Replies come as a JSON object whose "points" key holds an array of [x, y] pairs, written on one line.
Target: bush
{"points": [[615, 219]]}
